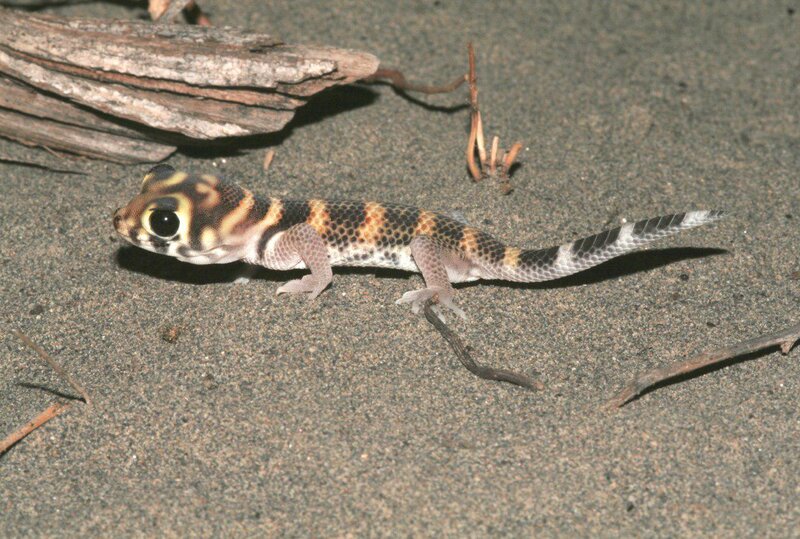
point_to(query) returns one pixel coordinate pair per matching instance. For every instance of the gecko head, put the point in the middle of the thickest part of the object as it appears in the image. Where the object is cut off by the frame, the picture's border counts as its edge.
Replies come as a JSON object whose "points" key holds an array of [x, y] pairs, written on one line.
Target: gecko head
{"points": [[184, 216]]}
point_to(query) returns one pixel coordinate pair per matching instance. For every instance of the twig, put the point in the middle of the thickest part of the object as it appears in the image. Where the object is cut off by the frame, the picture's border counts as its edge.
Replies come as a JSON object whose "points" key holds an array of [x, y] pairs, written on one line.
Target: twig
{"points": [[499, 162], [487, 373], [475, 116], [785, 338], [399, 81], [56, 367], [268, 157], [52, 411]]}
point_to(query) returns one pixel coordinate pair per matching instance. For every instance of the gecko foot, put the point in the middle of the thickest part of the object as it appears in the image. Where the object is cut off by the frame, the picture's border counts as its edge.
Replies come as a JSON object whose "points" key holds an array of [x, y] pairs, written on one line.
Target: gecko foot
{"points": [[417, 299], [307, 285]]}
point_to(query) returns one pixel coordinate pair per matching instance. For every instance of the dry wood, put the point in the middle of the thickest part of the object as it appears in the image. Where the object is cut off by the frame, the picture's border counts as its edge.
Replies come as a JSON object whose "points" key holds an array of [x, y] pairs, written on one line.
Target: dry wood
{"points": [[24, 99], [195, 118], [173, 80], [463, 355], [272, 100], [33, 131], [55, 366], [201, 56], [785, 339], [49, 413]]}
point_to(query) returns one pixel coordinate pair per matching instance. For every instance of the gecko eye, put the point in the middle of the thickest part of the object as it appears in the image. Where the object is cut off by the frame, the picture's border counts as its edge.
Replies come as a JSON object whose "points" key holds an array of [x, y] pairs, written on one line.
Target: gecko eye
{"points": [[164, 223]]}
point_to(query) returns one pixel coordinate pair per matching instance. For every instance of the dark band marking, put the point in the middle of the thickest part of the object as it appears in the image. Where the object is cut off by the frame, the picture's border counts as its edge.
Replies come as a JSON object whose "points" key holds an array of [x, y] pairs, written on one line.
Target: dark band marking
{"points": [[659, 224], [259, 210], [447, 231], [345, 218], [294, 213], [264, 239], [593, 244], [541, 258], [160, 172], [166, 203], [490, 249], [399, 225]]}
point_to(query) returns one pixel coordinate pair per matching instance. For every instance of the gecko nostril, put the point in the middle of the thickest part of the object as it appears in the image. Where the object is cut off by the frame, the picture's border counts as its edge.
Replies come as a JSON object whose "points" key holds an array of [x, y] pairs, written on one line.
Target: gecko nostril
{"points": [[117, 217]]}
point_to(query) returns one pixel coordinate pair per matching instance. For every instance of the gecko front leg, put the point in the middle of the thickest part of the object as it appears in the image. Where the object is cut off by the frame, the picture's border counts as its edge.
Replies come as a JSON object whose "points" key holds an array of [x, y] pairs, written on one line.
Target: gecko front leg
{"points": [[430, 260], [304, 243]]}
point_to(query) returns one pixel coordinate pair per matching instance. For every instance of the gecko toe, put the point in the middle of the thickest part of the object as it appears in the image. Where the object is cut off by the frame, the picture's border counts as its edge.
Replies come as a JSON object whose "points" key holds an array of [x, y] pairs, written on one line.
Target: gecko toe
{"points": [[307, 285], [417, 299]]}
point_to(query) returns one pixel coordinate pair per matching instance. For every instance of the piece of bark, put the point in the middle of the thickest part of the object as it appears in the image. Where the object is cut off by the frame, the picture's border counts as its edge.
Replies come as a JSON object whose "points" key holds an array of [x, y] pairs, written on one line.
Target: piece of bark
{"points": [[136, 78], [33, 131], [20, 97], [182, 53], [36, 119], [270, 100], [194, 118], [18, 154]]}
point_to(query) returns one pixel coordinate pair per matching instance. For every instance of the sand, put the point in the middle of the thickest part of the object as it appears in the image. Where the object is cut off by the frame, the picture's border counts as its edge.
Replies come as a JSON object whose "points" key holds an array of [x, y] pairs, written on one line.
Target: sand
{"points": [[351, 416]]}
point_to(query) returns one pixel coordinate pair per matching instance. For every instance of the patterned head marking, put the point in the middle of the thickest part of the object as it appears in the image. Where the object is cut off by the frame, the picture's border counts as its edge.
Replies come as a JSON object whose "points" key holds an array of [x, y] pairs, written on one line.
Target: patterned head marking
{"points": [[196, 219]]}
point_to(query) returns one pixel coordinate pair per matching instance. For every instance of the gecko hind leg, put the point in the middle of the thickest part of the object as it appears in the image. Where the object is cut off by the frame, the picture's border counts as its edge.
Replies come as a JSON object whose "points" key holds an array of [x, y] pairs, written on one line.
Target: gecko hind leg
{"points": [[429, 259], [303, 241]]}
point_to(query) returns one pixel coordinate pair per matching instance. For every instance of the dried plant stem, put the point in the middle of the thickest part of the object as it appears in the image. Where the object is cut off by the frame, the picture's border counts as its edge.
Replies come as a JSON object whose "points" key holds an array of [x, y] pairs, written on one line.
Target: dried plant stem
{"points": [[785, 338], [49, 413], [487, 373], [268, 157], [399, 81], [498, 163], [55, 366], [475, 116]]}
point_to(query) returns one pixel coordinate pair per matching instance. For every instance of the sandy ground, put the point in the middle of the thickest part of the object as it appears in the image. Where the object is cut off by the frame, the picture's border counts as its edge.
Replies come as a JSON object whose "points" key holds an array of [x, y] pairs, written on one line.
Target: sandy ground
{"points": [[349, 415]]}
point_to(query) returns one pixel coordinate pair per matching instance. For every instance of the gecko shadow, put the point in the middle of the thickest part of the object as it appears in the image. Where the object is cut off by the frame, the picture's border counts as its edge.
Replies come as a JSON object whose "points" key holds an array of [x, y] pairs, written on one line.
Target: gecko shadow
{"points": [[622, 266], [47, 389], [168, 268]]}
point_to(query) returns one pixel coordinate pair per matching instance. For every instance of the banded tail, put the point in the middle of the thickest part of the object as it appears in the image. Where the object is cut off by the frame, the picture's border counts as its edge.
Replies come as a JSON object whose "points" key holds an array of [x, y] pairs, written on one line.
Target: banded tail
{"points": [[532, 266]]}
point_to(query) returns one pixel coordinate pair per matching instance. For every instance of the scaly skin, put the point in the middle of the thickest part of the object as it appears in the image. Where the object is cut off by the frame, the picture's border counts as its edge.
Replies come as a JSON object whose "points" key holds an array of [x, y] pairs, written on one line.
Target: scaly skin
{"points": [[203, 220]]}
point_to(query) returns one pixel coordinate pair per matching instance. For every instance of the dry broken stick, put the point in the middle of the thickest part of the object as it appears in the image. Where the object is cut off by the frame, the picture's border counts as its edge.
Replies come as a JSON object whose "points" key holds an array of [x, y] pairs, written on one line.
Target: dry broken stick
{"points": [[398, 80], [46, 415], [161, 83], [55, 366], [498, 162], [785, 339], [487, 373]]}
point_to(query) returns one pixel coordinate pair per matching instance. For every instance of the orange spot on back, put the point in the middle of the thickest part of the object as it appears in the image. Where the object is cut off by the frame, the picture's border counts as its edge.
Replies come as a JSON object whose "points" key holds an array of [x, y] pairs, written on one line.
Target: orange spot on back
{"points": [[426, 224], [318, 216], [371, 230]]}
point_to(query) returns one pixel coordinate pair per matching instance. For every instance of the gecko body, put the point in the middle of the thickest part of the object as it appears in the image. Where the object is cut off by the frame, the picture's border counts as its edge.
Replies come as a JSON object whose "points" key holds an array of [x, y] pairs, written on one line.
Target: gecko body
{"points": [[204, 220]]}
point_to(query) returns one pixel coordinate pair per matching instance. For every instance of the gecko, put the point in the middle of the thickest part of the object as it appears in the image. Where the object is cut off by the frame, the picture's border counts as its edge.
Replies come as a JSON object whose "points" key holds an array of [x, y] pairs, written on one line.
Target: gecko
{"points": [[202, 219]]}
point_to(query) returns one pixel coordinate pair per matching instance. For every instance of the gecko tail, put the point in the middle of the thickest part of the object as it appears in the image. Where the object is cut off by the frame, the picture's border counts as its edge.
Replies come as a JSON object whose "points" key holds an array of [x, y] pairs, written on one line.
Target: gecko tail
{"points": [[530, 266]]}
